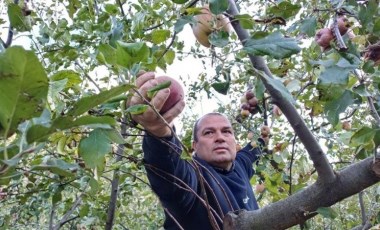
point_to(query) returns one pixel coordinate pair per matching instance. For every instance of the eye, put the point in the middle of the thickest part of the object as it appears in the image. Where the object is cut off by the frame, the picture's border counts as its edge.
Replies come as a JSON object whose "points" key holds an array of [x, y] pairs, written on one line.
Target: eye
{"points": [[208, 133], [229, 131]]}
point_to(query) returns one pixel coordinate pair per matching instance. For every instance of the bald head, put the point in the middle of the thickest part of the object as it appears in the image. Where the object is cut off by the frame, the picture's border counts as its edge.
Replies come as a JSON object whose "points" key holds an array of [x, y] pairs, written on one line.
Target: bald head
{"points": [[197, 123]]}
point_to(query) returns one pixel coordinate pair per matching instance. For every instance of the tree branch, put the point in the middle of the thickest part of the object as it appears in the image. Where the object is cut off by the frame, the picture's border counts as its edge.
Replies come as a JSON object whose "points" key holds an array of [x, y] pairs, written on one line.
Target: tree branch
{"points": [[302, 206], [66, 217], [115, 183], [321, 163]]}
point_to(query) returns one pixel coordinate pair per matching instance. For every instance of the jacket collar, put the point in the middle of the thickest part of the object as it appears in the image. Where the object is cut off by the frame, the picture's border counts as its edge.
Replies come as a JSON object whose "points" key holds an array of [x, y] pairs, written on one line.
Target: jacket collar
{"points": [[206, 164]]}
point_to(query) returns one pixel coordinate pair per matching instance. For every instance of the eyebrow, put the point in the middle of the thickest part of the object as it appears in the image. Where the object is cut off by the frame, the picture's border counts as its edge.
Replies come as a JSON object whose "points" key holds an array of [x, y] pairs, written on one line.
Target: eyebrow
{"points": [[213, 128]]}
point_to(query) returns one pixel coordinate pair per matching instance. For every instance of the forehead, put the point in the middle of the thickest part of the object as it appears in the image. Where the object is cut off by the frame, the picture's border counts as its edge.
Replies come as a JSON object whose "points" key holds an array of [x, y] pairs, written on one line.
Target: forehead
{"points": [[213, 121]]}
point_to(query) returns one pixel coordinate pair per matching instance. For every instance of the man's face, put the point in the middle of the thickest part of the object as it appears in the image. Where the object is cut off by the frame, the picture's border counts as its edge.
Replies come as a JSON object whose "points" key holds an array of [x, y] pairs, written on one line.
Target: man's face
{"points": [[216, 141]]}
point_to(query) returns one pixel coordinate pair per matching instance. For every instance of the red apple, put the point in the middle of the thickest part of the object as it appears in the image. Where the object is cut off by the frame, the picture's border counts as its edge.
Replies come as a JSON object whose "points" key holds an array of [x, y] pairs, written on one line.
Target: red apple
{"points": [[176, 93], [323, 37], [265, 131], [244, 113], [260, 188], [346, 125], [249, 95], [245, 106], [343, 25], [253, 102], [276, 111]]}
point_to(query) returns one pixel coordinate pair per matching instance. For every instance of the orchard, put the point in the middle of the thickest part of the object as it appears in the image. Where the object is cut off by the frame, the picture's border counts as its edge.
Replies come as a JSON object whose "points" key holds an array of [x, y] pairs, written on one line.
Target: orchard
{"points": [[301, 76]]}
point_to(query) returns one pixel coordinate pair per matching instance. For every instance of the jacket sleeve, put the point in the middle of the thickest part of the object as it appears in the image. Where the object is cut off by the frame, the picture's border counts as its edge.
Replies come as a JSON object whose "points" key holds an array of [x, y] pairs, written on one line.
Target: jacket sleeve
{"points": [[249, 155], [168, 174]]}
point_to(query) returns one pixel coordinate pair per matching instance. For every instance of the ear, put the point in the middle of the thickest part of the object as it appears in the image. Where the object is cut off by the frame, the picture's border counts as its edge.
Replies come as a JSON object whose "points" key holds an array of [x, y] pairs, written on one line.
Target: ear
{"points": [[194, 146]]}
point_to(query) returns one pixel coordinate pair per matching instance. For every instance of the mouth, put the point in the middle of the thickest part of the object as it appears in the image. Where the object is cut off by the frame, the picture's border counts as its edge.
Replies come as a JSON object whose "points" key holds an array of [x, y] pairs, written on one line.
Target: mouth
{"points": [[220, 148]]}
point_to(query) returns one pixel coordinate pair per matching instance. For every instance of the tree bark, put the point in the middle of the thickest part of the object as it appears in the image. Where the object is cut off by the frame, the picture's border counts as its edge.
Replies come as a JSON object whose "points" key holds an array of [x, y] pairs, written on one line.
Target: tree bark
{"points": [[302, 206]]}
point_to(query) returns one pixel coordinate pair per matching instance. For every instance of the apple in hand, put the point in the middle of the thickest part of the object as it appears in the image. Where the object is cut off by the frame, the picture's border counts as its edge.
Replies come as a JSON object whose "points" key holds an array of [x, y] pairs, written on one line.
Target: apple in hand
{"points": [[176, 93]]}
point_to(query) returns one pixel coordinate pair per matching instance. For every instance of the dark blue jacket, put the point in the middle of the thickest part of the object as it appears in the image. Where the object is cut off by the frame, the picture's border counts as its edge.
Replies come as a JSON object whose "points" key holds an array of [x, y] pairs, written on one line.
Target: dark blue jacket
{"points": [[177, 184]]}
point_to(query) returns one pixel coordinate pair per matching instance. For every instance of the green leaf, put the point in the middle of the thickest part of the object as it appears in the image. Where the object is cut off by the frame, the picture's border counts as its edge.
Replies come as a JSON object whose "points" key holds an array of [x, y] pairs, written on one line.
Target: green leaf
{"points": [[284, 9], [219, 38], [169, 57], [57, 196], [221, 87], [93, 148], [74, 5], [152, 91], [23, 88], [137, 109], [16, 18], [136, 52], [363, 136], [245, 20], [107, 54], [86, 103], [159, 36], [38, 133], [181, 22], [180, 1], [84, 209], [335, 72], [114, 136], [274, 45], [362, 90], [327, 212], [377, 137], [57, 166], [308, 26], [279, 86], [376, 27], [111, 9], [335, 107], [73, 78], [218, 6]]}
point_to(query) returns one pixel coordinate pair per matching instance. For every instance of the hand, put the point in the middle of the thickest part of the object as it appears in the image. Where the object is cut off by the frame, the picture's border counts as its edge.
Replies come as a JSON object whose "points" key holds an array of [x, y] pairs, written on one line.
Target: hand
{"points": [[150, 120]]}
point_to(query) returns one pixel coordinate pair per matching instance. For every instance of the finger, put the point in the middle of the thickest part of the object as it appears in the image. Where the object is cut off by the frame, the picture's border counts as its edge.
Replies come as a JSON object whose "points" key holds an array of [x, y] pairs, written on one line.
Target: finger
{"points": [[172, 113], [143, 78], [147, 86], [160, 98]]}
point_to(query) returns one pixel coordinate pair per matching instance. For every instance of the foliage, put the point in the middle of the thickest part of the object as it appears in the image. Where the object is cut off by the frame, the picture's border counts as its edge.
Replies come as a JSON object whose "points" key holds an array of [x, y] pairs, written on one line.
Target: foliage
{"points": [[62, 102]]}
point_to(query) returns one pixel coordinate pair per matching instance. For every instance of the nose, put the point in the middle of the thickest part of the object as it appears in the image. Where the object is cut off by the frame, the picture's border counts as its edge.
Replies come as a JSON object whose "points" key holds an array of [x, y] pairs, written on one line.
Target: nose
{"points": [[219, 137]]}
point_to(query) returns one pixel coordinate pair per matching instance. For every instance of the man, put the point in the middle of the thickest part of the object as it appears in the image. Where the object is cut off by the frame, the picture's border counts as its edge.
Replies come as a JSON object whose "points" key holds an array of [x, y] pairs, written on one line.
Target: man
{"points": [[196, 194]]}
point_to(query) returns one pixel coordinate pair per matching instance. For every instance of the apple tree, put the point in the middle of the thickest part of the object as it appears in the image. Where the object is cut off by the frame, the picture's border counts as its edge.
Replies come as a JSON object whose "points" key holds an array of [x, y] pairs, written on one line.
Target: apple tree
{"points": [[302, 74]]}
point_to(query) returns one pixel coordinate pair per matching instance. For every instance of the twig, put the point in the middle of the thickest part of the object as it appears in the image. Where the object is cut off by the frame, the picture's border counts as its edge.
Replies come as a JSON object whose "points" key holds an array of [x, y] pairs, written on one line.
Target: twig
{"points": [[168, 47], [115, 184], [181, 185], [154, 27], [362, 208], [66, 217], [87, 76], [121, 8], [291, 165], [51, 219]]}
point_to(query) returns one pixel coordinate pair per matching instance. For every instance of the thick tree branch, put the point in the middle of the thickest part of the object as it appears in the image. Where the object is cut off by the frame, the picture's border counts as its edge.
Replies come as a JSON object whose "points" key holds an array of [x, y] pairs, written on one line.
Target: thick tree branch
{"points": [[302, 206], [321, 163]]}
